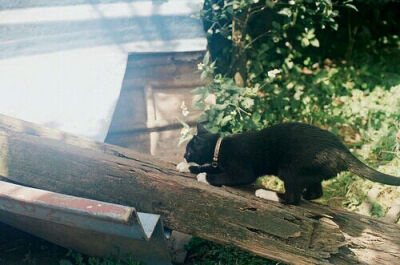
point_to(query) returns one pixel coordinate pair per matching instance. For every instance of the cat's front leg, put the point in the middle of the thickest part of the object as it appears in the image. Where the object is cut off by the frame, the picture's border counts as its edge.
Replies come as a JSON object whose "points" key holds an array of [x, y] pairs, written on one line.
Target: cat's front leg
{"points": [[218, 179], [232, 177], [194, 169], [212, 179], [312, 191], [292, 193], [206, 168]]}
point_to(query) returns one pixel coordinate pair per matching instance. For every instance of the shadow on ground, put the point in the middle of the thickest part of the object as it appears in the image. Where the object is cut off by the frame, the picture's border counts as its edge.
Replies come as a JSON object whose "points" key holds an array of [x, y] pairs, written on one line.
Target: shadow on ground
{"points": [[19, 248]]}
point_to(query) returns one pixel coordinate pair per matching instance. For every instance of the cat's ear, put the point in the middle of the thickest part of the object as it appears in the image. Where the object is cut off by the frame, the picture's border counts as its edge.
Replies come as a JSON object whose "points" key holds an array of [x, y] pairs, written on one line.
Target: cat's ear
{"points": [[201, 129]]}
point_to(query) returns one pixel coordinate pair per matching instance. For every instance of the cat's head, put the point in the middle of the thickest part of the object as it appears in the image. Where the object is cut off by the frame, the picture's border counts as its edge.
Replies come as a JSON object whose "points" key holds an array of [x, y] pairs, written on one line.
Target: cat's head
{"points": [[200, 149]]}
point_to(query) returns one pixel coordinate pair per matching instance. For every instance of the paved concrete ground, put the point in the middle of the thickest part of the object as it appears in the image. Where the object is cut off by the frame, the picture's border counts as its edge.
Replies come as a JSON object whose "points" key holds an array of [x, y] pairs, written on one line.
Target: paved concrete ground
{"points": [[62, 62]]}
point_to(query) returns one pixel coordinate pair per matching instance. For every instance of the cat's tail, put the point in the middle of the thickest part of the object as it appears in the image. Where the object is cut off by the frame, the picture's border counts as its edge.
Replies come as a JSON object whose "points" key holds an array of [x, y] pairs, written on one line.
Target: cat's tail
{"points": [[358, 168]]}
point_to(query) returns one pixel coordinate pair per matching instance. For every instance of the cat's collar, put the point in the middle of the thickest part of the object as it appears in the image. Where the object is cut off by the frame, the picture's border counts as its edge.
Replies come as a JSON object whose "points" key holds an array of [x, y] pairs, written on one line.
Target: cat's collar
{"points": [[216, 152]]}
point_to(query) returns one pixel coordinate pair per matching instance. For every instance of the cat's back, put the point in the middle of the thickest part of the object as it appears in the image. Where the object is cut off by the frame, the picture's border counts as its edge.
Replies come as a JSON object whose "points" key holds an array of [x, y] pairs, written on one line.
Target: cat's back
{"points": [[281, 145], [294, 135], [296, 129], [289, 139]]}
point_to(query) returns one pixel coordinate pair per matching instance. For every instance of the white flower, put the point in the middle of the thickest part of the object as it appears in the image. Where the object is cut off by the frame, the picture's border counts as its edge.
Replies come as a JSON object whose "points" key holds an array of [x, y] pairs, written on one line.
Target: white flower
{"points": [[200, 66], [184, 109], [273, 73]]}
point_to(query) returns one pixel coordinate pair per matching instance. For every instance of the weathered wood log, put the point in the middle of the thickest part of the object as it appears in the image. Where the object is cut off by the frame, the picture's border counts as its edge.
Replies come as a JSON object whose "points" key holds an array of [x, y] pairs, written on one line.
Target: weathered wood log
{"points": [[308, 234]]}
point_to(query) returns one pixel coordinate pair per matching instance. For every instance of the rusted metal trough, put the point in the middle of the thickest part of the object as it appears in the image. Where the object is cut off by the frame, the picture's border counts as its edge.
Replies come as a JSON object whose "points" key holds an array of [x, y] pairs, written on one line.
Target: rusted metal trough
{"points": [[92, 227]]}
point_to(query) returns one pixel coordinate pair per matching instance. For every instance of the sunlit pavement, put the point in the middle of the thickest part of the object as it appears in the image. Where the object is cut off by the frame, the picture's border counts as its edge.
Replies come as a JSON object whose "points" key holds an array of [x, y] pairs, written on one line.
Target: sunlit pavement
{"points": [[62, 62]]}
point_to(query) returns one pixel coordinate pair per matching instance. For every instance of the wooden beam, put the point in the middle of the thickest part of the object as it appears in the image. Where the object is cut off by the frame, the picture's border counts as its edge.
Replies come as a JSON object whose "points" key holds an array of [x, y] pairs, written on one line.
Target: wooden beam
{"points": [[308, 234]]}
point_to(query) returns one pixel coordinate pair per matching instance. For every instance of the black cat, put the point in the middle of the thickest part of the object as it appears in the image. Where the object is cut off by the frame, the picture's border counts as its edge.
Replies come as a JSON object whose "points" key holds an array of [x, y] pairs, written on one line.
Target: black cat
{"points": [[299, 154]]}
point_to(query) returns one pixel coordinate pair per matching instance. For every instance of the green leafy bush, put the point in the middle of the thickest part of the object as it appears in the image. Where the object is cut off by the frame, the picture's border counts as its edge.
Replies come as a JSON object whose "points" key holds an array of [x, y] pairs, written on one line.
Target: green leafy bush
{"points": [[290, 75], [331, 64]]}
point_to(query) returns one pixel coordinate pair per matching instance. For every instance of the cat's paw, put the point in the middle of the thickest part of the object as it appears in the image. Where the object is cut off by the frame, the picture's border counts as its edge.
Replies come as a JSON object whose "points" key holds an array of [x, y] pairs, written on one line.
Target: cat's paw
{"points": [[183, 167], [267, 194], [202, 177]]}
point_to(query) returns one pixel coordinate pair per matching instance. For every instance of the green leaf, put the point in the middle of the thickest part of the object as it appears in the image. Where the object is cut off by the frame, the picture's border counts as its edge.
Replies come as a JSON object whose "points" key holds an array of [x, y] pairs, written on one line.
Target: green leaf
{"points": [[203, 76], [256, 117], [276, 25], [305, 42], [377, 210], [215, 7], [310, 33], [285, 12], [314, 42], [248, 103], [258, 68], [351, 7], [225, 120], [229, 9], [206, 59]]}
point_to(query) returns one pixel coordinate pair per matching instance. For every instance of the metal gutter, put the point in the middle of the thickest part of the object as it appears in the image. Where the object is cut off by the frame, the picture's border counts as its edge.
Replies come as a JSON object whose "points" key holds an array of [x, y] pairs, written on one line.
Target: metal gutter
{"points": [[92, 227]]}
